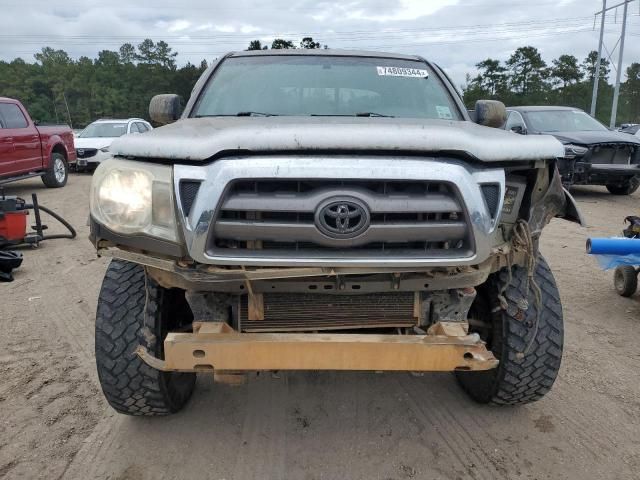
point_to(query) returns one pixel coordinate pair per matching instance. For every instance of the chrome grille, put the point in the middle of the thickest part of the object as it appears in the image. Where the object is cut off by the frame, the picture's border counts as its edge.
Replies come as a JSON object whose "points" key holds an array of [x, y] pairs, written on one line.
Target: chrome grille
{"points": [[407, 219], [86, 152]]}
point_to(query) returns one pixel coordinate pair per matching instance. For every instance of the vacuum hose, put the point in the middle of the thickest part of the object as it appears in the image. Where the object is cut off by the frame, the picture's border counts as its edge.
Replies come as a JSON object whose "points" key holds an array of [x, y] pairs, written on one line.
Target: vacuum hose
{"points": [[36, 207], [72, 231]]}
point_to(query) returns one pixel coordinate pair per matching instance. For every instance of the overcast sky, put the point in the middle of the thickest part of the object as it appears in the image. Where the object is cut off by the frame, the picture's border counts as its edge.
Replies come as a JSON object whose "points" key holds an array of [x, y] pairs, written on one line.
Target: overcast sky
{"points": [[454, 33]]}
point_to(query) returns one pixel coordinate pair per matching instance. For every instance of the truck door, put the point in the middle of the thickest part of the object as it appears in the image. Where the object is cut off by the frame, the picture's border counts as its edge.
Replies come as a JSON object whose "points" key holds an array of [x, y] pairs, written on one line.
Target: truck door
{"points": [[25, 138], [6, 150]]}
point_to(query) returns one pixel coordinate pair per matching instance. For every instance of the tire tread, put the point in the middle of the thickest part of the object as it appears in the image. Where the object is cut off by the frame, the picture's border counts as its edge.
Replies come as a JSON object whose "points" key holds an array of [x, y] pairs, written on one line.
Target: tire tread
{"points": [[127, 316]]}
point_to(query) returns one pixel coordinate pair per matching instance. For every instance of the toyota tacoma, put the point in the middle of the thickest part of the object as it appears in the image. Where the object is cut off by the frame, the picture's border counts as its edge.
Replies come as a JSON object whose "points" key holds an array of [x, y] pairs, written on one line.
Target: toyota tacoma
{"points": [[326, 210]]}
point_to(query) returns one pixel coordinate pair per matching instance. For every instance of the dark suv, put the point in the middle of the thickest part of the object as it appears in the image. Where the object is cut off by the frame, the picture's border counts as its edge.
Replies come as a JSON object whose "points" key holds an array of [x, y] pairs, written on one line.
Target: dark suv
{"points": [[594, 155]]}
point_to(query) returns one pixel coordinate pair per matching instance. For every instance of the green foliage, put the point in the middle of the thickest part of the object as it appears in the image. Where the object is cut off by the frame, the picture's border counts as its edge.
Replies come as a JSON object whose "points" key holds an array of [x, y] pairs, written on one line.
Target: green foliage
{"points": [[255, 45], [565, 71], [630, 93], [527, 71], [589, 66], [115, 84], [121, 83], [525, 79], [281, 43], [307, 42]]}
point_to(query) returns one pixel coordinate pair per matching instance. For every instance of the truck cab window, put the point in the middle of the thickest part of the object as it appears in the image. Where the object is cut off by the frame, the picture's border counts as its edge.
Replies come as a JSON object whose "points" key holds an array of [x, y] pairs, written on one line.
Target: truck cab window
{"points": [[12, 115]]}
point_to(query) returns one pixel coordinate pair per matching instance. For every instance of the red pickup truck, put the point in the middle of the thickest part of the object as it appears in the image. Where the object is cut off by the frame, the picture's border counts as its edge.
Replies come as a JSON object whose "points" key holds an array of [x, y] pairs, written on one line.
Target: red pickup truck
{"points": [[27, 150]]}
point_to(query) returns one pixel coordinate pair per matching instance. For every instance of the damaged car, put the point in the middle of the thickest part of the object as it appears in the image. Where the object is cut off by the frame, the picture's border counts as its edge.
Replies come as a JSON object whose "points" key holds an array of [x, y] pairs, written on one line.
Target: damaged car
{"points": [[593, 154], [326, 210]]}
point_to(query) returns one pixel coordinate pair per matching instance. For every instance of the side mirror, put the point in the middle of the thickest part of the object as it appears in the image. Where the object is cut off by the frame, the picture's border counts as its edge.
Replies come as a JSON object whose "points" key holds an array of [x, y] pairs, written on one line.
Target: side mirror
{"points": [[519, 129], [165, 108], [490, 113]]}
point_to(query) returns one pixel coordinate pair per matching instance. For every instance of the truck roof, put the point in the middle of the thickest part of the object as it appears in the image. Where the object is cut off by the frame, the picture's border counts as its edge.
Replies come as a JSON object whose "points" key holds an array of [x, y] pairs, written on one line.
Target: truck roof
{"points": [[323, 52], [8, 100]]}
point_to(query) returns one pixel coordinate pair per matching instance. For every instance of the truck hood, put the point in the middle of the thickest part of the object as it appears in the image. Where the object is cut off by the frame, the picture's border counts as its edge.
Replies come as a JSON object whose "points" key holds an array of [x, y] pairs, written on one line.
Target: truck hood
{"points": [[202, 139], [594, 138]]}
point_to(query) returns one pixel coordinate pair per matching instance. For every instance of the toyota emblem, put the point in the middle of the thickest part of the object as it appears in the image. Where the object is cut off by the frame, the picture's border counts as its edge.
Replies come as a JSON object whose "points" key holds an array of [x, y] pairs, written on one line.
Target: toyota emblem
{"points": [[342, 218]]}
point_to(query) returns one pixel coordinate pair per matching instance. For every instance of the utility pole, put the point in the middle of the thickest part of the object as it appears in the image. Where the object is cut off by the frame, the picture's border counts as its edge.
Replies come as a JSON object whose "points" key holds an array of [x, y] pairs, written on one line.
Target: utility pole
{"points": [[616, 91], [67, 105], [596, 78]]}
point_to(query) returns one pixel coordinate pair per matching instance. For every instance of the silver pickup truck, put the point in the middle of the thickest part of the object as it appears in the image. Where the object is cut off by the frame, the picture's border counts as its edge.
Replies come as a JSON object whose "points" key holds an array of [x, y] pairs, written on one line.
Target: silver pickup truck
{"points": [[326, 210]]}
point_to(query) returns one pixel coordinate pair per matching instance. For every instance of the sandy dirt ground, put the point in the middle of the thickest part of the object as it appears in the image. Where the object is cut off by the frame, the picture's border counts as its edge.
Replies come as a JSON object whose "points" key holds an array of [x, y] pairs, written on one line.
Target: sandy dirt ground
{"points": [[54, 422]]}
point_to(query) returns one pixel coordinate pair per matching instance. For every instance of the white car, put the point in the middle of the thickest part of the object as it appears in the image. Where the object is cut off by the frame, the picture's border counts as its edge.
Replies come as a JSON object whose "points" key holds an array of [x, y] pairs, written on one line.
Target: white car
{"points": [[92, 144]]}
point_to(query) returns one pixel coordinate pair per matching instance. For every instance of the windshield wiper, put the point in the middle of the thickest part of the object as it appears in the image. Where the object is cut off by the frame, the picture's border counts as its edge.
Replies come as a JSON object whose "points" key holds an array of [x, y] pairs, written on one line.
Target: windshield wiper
{"points": [[257, 114], [239, 114], [371, 114]]}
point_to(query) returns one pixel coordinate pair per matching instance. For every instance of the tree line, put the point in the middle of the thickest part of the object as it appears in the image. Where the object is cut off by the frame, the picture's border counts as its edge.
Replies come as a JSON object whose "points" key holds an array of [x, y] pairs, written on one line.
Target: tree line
{"points": [[120, 83], [526, 79]]}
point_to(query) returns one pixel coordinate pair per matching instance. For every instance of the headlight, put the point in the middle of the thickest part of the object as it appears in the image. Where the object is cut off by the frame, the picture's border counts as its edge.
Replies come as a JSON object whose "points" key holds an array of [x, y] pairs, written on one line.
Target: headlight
{"points": [[105, 149], [134, 198], [574, 150]]}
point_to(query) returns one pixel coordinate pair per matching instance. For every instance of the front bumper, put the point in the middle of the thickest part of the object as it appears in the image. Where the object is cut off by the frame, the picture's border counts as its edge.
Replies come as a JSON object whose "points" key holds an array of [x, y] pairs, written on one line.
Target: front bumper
{"points": [[93, 160], [215, 179], [215, 347]]}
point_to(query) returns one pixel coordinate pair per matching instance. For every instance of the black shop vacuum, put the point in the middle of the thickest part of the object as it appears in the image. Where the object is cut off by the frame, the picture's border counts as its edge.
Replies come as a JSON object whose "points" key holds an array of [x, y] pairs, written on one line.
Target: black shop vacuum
{"points": [[14, 234]]}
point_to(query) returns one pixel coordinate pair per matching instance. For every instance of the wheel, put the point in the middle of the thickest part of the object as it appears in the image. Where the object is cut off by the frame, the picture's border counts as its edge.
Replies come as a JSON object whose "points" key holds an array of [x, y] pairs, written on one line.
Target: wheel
{"points": [[527, 345], [626, 188], [625, 279], [57, 173], [133, 310]]}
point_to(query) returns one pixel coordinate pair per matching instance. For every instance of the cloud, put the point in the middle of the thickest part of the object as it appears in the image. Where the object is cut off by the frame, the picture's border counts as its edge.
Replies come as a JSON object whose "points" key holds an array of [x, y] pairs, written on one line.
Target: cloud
{"points": [[456, 34], [224, 28], [178, 26]]}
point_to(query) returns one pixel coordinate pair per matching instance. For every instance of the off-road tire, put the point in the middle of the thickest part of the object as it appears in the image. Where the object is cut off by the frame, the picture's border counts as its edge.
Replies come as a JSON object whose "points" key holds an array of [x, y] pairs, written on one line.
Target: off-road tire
{"points": [[529, 356], [133, 310], [57, 172], [627, 188], [625, 280]]}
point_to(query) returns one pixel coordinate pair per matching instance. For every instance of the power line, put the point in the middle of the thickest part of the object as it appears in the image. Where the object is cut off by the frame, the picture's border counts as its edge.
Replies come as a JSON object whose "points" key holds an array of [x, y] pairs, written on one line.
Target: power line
{"points": [[569, 21], [378, 47]]}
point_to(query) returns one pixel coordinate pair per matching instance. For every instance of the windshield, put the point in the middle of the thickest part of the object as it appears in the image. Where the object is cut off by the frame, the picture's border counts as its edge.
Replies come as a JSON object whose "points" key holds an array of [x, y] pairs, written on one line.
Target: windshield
{"points": [[325, 85], [563, 121], [104, 130]]}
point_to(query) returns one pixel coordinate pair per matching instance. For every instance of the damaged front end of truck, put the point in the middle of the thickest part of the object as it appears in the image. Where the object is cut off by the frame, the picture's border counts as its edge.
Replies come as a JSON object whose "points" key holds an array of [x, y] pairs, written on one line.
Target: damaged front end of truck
{"points": [[330, 242]]}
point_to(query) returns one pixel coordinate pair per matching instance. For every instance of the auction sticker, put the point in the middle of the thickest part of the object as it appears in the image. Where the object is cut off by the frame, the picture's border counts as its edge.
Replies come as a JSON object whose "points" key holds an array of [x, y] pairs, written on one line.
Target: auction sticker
{"points": [[402, 72], [444, 112]]}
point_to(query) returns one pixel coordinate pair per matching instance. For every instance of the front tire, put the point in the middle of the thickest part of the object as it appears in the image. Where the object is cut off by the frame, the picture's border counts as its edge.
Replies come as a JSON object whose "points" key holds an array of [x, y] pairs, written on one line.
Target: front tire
{"points": [[133, 310], [626, 188], [529, 354], [57, 173]]}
